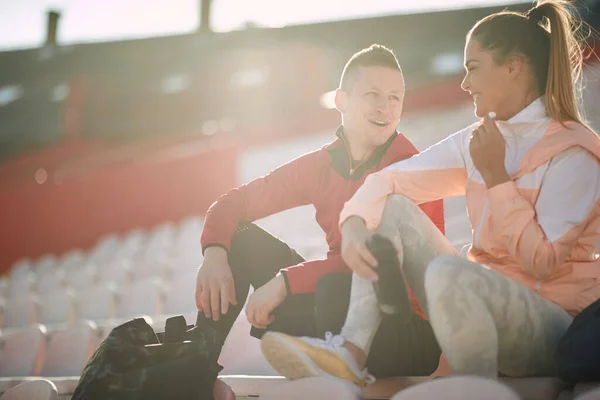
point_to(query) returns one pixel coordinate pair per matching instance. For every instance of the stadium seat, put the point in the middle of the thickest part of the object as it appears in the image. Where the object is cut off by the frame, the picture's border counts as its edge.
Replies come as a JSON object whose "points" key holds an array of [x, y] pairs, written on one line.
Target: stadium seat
{"points": [[38, 389], [104, 250], [45, 263], [459, 388], [21, 285], [145, 297], [118, 272], [20, 312], [97, 303], [23, 352], [179, 300], [3, 289], [71, 261], [20, 267], [312, 388], [81, 278], [49, 280], [131, 245], [181, 291], [56, 307], [188, 232], [157, 266], [69, 350], [188, 259]]}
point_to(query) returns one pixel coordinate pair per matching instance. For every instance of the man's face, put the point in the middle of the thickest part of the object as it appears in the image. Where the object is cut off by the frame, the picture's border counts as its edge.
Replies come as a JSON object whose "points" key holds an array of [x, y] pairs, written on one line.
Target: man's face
{"points": [[372, 104]]}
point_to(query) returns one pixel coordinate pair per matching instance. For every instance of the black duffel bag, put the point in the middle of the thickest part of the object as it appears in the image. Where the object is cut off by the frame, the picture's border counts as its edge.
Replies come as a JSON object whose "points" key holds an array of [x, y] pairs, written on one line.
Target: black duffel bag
{"points": [[133, 362], [579, 348]]}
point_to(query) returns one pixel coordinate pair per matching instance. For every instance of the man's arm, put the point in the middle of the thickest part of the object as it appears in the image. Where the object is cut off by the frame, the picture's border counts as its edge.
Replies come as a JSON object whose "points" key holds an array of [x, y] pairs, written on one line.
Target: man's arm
{"points": [[303, 278], [286, 187]]}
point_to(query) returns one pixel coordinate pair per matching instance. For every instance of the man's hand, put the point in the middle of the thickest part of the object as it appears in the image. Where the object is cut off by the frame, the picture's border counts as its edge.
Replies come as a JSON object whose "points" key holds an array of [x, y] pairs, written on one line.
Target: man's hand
{"points": [[354, 248], [488, 148], [264, 301], [214, 285]]}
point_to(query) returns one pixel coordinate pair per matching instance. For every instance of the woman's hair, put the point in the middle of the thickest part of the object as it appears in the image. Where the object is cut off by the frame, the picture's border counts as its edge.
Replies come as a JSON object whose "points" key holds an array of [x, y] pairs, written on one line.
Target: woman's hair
{"points": [[550, 38]]}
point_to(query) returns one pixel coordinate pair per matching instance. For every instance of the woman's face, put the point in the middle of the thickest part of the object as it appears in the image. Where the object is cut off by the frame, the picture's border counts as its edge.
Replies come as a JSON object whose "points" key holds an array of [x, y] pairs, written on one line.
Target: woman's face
{"points": [[489, 83]]}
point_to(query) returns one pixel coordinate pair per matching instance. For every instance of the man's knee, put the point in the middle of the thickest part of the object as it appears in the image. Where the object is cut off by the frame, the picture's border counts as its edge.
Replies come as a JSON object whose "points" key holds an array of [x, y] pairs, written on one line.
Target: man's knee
{"points": [[334, 282]]}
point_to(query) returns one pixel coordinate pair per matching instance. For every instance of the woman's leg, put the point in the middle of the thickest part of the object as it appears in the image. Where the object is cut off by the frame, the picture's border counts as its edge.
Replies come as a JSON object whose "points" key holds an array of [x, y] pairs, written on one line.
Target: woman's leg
{"points": [[487, 323]]}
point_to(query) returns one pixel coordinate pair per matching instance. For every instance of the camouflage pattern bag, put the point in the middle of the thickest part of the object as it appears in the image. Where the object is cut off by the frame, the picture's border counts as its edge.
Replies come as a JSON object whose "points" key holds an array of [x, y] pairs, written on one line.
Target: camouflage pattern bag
{"points": [[132, 363]]}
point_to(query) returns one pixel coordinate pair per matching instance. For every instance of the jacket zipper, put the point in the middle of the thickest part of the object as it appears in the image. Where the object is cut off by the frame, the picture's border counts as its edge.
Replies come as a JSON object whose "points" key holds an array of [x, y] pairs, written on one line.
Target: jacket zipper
{"points": [[364, 160]]}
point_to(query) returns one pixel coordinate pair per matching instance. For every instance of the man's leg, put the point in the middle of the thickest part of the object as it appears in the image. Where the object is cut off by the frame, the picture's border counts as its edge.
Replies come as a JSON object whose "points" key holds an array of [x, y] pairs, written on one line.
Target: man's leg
{"points": [[487, 323], [403, 349], [255, 257], [399, 349], [418, 242]]}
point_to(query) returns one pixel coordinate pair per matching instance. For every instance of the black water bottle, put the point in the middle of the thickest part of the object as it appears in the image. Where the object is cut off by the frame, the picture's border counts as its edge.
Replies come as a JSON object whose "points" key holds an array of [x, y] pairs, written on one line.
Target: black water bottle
{"points": [[391, 289]]}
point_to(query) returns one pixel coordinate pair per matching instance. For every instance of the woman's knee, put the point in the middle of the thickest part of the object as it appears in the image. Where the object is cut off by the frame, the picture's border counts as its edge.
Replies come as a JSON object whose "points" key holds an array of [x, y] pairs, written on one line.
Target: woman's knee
{"points": [[444, 273], [398, 205]]}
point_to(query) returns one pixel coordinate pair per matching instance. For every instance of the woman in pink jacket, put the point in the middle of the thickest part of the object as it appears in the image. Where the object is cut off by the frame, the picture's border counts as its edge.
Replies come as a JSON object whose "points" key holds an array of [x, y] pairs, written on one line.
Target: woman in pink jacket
{"points": [[531, 175]]}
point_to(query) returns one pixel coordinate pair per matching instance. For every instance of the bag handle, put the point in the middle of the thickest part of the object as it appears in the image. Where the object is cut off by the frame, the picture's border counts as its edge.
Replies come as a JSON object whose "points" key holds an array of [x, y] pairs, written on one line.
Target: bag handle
{"points": [[175, 329]]}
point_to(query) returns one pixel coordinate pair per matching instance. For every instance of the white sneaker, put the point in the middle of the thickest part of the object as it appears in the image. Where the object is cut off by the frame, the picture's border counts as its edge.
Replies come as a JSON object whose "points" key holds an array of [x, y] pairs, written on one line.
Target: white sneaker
{"points": [[302, 357]]}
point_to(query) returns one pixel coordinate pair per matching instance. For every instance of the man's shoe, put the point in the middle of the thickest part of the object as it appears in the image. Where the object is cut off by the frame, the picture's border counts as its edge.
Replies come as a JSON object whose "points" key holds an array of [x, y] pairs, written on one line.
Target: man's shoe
{"points": [[302, 357]]}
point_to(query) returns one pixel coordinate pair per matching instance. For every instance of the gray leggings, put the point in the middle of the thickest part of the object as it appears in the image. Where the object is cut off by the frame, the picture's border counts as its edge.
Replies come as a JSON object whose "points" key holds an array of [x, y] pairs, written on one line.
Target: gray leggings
{"points": [[484, 322]]}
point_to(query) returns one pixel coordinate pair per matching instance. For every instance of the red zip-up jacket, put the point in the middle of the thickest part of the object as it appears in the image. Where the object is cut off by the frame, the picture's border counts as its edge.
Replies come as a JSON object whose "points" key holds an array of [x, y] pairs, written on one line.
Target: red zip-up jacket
{"points": [[324, 178]]}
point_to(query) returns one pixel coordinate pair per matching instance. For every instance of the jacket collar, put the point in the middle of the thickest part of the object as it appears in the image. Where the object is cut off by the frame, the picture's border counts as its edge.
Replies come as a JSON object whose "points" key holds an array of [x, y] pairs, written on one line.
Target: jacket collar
{"points": [[342, 159]]}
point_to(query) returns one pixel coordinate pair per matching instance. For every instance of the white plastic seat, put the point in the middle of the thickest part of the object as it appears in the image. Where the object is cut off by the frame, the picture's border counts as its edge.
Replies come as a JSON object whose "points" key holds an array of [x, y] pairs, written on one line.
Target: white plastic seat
{"points": [[38, 389], [144, 297], [56, 308], [312, 388], [81, 278], [458, 387], [21, 285], [163, 234], [3, 289], [20, 267], [45, 263], [49, 281], [190, 258], [71, 261], [131, 246], [69, 350], [155, 256], [118, 272], [20, 312], [97, 303], [22, 353], [104, 250], [189, 231], [180, 294]]}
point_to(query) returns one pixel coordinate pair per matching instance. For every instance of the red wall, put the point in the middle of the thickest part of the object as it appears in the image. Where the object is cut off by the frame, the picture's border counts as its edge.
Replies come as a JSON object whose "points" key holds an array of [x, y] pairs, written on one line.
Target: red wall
{"points": [[54, 217]]}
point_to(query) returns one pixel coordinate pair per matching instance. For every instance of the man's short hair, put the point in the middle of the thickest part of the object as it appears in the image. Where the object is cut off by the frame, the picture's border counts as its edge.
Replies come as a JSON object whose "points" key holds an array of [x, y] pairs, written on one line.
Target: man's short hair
{"points": [[375, 55]]}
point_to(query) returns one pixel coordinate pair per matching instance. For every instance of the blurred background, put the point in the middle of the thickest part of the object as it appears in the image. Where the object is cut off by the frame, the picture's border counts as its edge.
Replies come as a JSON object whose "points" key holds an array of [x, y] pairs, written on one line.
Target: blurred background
{"points": [[122, 121], [122, 115]]}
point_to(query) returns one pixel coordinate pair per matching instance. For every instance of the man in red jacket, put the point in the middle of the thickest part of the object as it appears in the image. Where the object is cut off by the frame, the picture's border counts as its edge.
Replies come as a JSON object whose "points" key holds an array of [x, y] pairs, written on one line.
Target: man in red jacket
{"points": [[309, 297]]}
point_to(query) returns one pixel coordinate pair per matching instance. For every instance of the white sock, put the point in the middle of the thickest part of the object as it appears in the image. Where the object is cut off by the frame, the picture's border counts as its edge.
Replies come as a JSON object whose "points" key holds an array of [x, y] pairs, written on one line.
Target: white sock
{"points": [[363, 318]]}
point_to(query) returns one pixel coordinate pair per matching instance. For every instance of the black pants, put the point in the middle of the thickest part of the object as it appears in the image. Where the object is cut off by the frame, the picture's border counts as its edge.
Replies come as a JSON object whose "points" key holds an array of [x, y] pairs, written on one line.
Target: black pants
{"points": [[256, 256]]}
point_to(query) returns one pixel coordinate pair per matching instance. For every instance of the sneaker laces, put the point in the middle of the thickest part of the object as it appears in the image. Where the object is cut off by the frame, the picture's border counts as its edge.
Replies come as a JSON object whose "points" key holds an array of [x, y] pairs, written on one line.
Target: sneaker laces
{"points": [[336, 342]]}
